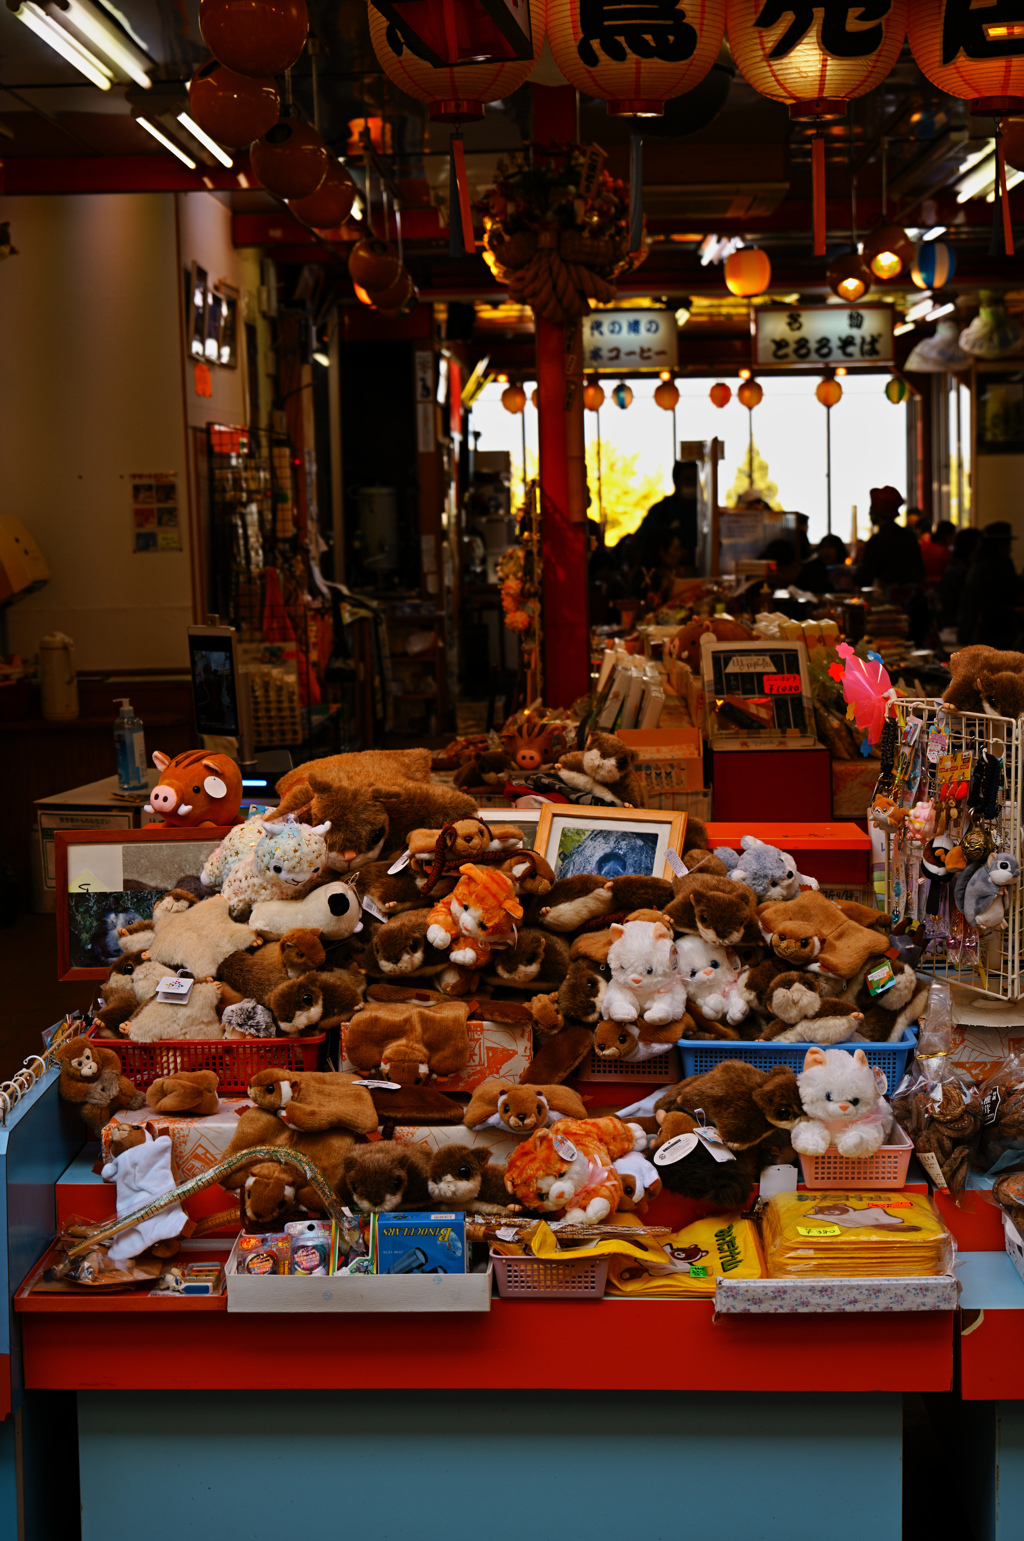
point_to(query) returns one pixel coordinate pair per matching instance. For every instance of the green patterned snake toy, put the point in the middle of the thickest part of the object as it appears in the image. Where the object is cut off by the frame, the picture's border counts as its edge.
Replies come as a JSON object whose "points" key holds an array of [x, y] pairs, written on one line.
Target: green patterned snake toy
{"points": [[213, 1175]]}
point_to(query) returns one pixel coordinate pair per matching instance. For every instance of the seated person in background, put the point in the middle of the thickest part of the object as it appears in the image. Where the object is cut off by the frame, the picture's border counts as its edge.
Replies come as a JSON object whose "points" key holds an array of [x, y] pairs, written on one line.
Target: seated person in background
{"points": [[657, 557], [992, 593], [817, 574], [951, 584]]}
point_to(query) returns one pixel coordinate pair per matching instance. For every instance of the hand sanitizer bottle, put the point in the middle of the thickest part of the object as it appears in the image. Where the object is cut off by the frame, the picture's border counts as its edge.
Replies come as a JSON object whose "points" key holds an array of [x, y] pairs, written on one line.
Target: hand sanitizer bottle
{"points": [[130, 744]]}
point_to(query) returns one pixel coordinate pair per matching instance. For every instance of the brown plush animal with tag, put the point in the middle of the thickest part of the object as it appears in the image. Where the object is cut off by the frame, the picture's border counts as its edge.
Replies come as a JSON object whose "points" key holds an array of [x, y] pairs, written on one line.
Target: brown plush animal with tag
{"points": [[327, 1149], [315, 1099], [321, 999], [462, 1177], [695, 1172], [400, 946], [201, 937], [256, 975], [840, 946], [521, 1109], [391, 892], [385, 1176], [90, 1077], [743, 1103], [409, 1044], [537, 960], [582, 992], [189, 1092], [570, 903]]}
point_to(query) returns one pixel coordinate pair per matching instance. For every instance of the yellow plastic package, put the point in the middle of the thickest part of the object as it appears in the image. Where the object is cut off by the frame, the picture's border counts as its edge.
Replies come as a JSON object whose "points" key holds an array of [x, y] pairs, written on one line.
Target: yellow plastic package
{"points": [[722, 1246], [854, 1235]]}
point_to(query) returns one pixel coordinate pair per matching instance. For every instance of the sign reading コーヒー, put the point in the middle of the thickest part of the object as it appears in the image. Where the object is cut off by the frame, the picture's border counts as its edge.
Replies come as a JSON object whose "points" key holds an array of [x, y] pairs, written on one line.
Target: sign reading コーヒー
{"points": [[624, 340], [823, 334]]}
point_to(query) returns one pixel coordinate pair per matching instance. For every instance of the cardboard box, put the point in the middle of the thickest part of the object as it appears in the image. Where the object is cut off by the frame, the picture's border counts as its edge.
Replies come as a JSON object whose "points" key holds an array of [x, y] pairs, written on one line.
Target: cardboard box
{"points": [[448, 1292], [418, 1243], [668, 760], [853, 786]]}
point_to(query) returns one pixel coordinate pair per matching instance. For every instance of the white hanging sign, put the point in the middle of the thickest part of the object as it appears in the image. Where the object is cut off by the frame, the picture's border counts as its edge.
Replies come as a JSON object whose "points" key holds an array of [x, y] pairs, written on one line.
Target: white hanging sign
{"points": [[624, 341], [805, 335]]}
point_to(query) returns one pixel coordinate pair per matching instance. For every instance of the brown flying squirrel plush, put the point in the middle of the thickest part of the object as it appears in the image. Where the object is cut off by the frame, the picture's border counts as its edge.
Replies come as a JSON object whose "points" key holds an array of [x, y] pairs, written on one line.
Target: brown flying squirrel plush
{"points": [[833, 1022], [605, 770], [256, 975], [409, 1043], [320, 999], [315, 1099], [985, 677], [386, 1175], [570, 903], [326, 1149], [521, 1109], [400, 947], [462, 1177], [269, 1195], [90, 1077], [132, 982], [581, 993], [743, 1103], [838, 944], [716, 909], [887, 1016], [189, 1092], [536, 960], [391, 892]]}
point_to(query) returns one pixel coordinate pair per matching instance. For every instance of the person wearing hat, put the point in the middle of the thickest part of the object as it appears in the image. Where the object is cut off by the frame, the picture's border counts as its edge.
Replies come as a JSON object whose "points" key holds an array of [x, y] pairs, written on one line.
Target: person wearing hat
{"points": [[992, 593], [892, 556]]}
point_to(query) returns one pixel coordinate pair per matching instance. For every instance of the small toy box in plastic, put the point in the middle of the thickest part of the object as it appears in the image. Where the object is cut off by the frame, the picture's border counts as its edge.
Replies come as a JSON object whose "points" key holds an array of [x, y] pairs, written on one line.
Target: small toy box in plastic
{"points": [[418, 1243], [887, 1168]]}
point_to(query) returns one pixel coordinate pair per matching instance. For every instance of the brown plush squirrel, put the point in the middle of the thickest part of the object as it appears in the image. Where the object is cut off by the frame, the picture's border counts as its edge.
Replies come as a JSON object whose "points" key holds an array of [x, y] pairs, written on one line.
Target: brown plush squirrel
{"points": [[90, 1077], [462, 1177], [387, 1175], [605, 769], [190, 1092]]}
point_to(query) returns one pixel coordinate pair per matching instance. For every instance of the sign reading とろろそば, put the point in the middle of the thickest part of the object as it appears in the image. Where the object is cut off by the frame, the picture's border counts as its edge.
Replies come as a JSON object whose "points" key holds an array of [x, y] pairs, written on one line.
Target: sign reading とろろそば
{"points": [[626, 340], [823, 334]]}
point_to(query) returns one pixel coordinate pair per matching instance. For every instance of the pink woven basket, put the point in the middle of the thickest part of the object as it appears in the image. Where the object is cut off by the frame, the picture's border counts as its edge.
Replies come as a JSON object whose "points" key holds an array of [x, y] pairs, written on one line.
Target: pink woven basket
{"points": [[887, 1168]]}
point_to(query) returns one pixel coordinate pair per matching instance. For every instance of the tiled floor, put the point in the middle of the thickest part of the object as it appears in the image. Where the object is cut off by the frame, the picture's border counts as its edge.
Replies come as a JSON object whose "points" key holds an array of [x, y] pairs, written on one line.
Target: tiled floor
{"points": [[32, 996]]}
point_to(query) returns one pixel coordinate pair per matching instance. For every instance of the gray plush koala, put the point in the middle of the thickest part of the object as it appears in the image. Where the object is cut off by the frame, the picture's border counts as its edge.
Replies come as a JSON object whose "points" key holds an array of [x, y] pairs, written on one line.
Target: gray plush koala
{"points": [[769, 872], [979, 890]]}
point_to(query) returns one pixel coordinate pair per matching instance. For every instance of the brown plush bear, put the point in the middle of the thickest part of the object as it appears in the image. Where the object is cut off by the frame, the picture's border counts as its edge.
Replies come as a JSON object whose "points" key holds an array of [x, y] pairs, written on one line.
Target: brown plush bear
{"points": [[743, 1103], [983, 677], [521, 1109], [812, 923], [462, 1177], [409, 1043], [314, 1099], [604, 769], [190, 1092], [387, 1175], [90, 1077], [717, 909]]}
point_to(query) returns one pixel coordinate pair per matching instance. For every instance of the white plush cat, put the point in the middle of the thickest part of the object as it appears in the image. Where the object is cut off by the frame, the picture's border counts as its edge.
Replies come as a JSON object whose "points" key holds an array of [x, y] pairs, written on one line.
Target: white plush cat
{"points": [[645, 980], [711, 980], [844, 1105]]}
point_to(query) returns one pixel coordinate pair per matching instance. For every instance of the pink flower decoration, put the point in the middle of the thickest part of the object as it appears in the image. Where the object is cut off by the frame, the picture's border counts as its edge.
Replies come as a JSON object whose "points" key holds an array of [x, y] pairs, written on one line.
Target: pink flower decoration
{"points": [[866, 687]]}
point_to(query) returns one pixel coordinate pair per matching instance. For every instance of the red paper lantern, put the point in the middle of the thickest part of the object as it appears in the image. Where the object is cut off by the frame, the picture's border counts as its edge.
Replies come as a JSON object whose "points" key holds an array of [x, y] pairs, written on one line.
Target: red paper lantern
{"points": [[720, 394], [326, 208], [233, 109], [666, 395], [829, 392], [747, 272], [455, 94], [749, 394], [254, 37], [972, 51], [447, 32], [593, 396], [816, 58], [513, 398], [634, 64], [373, 264], [290, 160]]}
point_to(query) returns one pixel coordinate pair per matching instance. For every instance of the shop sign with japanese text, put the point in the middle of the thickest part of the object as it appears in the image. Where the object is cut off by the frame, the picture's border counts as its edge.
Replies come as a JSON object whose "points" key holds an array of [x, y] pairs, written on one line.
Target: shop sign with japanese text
{"points": [[823, 334], [624, 340]]}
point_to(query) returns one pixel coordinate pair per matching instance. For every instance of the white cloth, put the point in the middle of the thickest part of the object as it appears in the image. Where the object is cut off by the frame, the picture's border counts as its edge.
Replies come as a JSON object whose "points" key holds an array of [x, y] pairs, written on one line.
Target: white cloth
{"points": [[143, 1174]]}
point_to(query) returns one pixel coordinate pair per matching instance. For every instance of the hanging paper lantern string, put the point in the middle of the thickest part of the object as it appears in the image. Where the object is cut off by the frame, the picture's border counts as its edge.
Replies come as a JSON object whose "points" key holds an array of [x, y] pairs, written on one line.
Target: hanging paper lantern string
{"points": [[867, 690]]}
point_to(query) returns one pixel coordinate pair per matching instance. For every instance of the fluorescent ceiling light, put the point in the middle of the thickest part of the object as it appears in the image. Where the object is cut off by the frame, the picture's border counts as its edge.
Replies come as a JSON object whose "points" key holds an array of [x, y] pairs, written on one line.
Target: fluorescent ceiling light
{"points": [[109, 41], [934, 233], [921, 308], [168, 144], [977, 182], [1012, 178], [904, 326], [62, 42], [940, 310], [322, 358], [987, 148], [204, 139]]}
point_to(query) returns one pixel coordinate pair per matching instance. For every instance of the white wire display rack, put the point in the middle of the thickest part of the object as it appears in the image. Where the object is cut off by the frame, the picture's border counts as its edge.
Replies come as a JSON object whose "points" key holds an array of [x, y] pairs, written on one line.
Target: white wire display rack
{"points": [[997, 972]]}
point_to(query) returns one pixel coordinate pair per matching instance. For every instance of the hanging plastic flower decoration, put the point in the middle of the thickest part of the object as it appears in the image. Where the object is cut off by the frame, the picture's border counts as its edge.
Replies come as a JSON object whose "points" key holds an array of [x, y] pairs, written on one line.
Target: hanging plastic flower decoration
{"points": [[867, 690]]}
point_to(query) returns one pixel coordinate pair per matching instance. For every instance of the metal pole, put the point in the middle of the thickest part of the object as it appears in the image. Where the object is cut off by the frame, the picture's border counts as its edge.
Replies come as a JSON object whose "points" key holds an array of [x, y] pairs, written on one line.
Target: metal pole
{"points": [[828, 466], [526, 477], [750, 448], [600, 488]]}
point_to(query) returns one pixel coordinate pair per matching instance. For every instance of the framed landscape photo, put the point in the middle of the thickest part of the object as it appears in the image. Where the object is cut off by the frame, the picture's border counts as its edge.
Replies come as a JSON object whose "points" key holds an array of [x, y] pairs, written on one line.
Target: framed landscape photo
{"points": [[107, 878], [609, 842]]}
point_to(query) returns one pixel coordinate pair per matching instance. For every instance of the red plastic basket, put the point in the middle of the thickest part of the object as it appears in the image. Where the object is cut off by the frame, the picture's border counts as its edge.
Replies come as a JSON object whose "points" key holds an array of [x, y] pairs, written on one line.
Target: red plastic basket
{"points": [[236, 1060]]}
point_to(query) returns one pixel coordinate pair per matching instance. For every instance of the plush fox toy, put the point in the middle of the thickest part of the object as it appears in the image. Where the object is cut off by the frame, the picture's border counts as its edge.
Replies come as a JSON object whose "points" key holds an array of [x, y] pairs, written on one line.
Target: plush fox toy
{"points": [[476, 917]]}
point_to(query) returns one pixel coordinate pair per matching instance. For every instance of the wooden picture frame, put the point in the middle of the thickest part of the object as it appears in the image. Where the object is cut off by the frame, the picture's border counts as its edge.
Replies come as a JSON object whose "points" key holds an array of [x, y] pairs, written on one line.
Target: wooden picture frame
{"points": [[72, 948], [667, 826]]}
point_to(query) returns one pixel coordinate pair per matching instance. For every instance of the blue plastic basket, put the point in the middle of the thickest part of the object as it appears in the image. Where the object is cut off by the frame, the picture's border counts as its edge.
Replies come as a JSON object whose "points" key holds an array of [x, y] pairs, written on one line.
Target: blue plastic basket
{"points": [[701, 1056]]}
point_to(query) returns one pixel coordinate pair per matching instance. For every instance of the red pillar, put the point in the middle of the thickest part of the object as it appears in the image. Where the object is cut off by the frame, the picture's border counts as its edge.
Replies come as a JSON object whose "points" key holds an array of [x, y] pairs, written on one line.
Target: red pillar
{"points": [[562, 468]]}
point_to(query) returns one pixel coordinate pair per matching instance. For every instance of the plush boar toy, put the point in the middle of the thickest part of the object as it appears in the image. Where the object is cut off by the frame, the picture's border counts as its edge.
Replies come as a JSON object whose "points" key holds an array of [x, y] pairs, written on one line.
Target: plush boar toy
{"points": [[196, 789]]}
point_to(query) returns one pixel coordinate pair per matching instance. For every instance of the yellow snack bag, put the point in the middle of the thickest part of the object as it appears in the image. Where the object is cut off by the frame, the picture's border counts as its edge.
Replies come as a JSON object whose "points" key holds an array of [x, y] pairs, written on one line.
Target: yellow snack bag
{"points": [[845, 1235]]}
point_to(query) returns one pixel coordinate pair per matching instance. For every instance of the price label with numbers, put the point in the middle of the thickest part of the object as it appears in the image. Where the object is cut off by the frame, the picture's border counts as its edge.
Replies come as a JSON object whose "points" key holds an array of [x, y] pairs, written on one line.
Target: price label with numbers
{"points": [[782, 684]]}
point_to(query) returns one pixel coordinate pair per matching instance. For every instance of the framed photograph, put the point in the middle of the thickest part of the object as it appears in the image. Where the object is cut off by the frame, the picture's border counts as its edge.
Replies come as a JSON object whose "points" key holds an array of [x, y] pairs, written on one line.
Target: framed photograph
{"points": [[609, 842], [107, 878], [525, 819]]}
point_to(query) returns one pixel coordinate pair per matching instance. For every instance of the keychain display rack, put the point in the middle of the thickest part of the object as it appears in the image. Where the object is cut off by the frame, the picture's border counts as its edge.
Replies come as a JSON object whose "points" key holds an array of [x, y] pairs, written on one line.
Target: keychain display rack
{"points": [[997, 969]]}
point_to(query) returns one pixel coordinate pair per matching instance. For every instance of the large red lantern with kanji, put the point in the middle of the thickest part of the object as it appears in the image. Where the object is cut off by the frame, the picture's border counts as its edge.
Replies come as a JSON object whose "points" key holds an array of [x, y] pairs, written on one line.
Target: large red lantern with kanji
{"points": [[815, 59], [454, 93], [635, 57]]}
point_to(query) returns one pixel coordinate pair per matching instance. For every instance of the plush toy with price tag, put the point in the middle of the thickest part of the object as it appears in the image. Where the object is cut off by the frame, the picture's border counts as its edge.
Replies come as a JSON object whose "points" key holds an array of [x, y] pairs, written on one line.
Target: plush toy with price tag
{"points": [[568, 1168], [844, 1105]]}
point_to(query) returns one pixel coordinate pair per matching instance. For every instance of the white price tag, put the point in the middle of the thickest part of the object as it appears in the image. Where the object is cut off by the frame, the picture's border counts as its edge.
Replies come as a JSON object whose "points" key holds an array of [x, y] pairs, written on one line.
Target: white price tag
{"points": [[373, 908], [675, 861], [507, 1233], [675, 1149], [174, 992], [380, 1086]]}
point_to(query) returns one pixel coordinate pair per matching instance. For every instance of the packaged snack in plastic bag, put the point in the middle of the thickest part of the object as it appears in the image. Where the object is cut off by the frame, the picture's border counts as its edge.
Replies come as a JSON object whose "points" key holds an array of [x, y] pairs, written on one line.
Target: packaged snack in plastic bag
{"points": [[937, 1103], [1001, 1096], [854, 1235], [263, 1255]]}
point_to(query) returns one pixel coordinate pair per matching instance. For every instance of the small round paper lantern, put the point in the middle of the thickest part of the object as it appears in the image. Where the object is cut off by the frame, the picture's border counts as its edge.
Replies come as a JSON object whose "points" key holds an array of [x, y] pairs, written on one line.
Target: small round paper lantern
{"points": [[622, 395], [233, 109], [849, 277], [720, 394], [667, 395], [934, 265], [254, 37], [535, 398], [747, 272], [888, 250], [749, 394], [975, 52], [513, 398], [373, 264], [815, 58], [593, 396], [896, 390], [454, 94], [829, 392], [290, 160], [634, 66], [330, 204]]}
